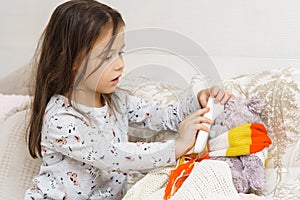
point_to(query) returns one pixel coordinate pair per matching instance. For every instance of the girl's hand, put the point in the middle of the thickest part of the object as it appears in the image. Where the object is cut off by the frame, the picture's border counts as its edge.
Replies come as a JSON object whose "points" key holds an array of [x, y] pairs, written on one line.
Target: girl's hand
{"points": [[188, 130], [216, 92]]}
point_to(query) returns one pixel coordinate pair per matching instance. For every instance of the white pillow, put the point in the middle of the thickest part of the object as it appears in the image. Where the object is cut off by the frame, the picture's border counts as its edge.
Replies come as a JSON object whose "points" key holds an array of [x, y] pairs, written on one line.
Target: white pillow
{"points": [[7, 102], [20, 81], [17, 167]]}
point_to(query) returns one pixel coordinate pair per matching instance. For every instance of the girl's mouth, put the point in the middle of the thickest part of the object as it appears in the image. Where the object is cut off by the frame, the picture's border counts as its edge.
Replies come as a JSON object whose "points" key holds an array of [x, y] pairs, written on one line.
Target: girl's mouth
{"points": [[116, 80]]}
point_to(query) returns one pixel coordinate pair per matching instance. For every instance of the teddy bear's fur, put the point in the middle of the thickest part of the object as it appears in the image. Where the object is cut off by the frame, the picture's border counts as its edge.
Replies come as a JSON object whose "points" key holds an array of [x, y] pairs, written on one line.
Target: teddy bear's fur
{"points": [[248, 172]]}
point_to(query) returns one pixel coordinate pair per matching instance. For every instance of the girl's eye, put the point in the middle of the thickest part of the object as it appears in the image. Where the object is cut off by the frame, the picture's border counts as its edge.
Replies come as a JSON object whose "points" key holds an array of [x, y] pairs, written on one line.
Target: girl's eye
{"points": [[121, 53], [110, 56]]}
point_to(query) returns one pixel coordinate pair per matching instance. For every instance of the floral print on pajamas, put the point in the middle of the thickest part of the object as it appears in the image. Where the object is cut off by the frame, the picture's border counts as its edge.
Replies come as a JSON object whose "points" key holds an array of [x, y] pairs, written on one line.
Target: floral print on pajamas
{"points": [[89, 159]]}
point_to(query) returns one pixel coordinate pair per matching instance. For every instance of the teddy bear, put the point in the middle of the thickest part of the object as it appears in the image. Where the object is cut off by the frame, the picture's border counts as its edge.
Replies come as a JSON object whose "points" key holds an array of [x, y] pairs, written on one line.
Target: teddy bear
{"points": [[248, 172]]}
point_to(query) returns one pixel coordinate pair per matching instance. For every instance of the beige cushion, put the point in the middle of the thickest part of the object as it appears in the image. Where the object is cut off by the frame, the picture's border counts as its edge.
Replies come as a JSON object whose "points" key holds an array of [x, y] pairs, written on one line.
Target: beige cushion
{"points": [[8, 102], [18, 82], [17, 167], [280, 90]]}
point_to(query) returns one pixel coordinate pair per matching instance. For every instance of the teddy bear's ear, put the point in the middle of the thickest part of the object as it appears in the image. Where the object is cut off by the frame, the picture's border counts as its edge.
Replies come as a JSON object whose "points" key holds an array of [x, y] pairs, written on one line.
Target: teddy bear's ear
{"points": [[255, 105]]}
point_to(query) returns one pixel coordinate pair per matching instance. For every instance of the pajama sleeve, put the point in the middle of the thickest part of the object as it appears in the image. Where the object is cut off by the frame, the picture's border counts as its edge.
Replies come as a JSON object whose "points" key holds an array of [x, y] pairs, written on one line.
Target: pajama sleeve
{"points": [[156, 117], [71, 135]]}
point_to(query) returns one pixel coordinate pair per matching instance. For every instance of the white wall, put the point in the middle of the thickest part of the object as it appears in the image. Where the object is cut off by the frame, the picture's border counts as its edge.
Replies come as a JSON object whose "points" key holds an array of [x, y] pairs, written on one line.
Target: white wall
{"points": [[21, 24], [256, 28], [235, 33]]}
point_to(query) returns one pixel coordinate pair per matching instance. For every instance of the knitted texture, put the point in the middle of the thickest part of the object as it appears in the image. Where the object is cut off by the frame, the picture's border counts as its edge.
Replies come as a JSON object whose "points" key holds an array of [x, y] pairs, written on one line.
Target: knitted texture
{"points": [[241, 140], [209, 180], [151, 186]]}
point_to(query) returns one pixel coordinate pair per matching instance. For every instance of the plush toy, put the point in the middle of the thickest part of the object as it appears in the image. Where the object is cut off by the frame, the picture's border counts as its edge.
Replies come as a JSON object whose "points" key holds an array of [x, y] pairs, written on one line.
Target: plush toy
{"points": [[241, 118]]}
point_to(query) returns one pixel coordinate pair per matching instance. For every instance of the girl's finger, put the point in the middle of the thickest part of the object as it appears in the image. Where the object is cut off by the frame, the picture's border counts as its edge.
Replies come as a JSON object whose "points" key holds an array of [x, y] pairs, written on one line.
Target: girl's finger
{"points": [[206, 120], [225, 98], [219, 96], [203, 97], [202, 127], [201, 119], [214, 91], [198, 113]]}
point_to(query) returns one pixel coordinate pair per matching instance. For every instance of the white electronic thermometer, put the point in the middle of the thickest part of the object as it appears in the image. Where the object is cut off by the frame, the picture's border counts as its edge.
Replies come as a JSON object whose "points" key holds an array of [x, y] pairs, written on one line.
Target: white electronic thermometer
{"points": [[215, 110]]}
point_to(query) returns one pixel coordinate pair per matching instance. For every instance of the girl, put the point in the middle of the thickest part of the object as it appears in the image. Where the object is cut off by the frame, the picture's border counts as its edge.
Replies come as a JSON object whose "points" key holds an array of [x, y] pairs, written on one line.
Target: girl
{"points": [[79, 119]]}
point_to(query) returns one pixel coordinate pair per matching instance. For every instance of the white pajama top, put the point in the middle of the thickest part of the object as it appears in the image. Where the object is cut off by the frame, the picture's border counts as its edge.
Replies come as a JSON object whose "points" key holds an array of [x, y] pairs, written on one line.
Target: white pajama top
{"points": [[89, 159]]}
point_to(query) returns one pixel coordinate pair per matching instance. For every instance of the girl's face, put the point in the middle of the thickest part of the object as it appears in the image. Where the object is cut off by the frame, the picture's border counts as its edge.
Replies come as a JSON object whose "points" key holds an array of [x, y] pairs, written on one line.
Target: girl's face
{"points": [[107, 76], [103, 79]]}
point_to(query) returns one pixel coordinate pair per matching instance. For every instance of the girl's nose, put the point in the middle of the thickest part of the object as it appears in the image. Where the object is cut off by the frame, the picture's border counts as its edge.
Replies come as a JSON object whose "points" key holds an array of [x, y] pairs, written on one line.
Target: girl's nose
{"points": [[119, 63]]}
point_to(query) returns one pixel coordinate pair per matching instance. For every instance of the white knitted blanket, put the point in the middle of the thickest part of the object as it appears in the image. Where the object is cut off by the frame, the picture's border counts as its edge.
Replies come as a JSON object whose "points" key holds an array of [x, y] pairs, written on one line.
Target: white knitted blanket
{"points": [[209, 179]]}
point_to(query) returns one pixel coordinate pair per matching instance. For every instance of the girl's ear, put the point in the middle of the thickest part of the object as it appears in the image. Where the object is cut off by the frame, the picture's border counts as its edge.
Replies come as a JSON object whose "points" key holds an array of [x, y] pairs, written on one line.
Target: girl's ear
{"points": [[255, 105]]}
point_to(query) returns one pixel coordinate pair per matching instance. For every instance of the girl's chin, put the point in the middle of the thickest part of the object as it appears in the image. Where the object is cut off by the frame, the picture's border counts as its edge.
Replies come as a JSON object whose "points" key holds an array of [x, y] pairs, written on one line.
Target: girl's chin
{"points": [[109, 90]]}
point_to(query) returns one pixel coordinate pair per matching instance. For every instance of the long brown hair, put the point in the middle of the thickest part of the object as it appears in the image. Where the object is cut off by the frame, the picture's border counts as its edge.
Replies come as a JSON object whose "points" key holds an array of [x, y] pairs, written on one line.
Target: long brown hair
{"points": [[66, 41]]}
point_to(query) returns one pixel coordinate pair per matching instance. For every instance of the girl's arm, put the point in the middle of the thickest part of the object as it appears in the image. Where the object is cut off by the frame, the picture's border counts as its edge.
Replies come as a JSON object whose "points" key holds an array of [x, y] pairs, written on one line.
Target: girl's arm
{"points": [[70, 135], [157, 117]]}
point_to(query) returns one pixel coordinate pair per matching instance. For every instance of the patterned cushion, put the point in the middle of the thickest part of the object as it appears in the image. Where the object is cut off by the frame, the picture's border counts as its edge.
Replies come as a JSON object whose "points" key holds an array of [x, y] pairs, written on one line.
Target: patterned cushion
{"points": [[280, 90]]}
